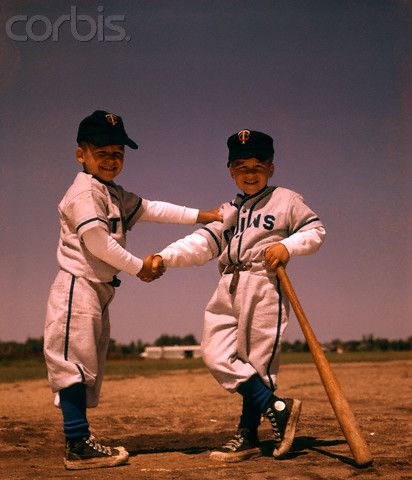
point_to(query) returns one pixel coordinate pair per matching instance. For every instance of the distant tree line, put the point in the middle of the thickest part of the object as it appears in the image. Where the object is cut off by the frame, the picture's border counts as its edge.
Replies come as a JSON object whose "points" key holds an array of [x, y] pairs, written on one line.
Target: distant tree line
{"points": [[33, 347], [170, 340], [368, 343]]}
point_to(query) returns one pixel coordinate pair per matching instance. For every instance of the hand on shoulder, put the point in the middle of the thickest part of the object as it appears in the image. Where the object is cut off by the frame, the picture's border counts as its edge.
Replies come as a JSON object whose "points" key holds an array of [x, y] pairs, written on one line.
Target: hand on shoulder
{"points": [[208, 216]]}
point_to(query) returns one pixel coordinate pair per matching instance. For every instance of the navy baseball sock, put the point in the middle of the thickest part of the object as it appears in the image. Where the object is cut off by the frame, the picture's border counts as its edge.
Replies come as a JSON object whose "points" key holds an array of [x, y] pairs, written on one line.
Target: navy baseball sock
{"points": [[73, 405], [255, 390], [250, 417]]}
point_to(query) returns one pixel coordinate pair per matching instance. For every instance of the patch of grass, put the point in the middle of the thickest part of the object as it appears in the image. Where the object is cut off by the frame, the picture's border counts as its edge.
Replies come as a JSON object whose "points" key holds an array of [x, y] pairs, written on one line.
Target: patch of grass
{"points": [[134, 367], [34, 369], [333, 357], [23, 369]]}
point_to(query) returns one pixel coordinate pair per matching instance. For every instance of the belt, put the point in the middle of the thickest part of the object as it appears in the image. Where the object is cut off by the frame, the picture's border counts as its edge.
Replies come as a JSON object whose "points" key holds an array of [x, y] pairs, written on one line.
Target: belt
{"points": [[235, 268], [115, 282]]}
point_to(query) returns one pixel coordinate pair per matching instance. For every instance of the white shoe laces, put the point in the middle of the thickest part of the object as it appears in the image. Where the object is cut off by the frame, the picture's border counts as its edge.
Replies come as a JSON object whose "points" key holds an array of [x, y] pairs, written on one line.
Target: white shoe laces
{"points": [[234, 443], [92, 442], [275, 428]]}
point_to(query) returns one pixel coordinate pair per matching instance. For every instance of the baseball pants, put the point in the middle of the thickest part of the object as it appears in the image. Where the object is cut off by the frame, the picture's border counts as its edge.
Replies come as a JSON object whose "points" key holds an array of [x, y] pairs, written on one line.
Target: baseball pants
{"points": [[242, 331], [77, 334]]}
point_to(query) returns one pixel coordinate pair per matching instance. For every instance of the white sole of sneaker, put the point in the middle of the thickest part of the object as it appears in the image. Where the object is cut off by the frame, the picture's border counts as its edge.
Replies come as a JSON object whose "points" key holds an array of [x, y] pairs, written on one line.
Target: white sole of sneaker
{"points": [[290, 430], [233, 457], [101, 462]]}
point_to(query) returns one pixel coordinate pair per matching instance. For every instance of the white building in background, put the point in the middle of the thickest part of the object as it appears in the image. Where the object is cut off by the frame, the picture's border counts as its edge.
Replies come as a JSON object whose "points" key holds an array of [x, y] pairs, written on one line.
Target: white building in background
{"points": [[172, 353]]}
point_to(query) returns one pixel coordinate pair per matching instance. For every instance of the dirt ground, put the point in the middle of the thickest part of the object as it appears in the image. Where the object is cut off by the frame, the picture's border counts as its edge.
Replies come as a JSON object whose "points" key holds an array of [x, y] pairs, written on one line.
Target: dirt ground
{"points": [[170, 421]]}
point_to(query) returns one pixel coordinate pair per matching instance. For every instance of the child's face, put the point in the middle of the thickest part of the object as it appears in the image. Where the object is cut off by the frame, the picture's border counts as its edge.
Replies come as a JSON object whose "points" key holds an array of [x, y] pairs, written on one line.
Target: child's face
{"points": [[102, 162], [250, 174]]}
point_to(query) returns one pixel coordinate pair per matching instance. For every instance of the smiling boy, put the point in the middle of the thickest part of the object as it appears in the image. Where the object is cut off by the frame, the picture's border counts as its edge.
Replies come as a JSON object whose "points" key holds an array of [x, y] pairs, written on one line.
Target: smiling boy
{"points": [[247, 314], [95, 215], [104, 162]]}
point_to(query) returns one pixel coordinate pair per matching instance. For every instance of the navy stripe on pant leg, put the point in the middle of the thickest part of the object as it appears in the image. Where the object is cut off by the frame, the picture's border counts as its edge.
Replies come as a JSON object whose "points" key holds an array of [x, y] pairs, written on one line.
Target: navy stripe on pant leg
{"points": [[81, 372], [276, 345], [69, 314]]}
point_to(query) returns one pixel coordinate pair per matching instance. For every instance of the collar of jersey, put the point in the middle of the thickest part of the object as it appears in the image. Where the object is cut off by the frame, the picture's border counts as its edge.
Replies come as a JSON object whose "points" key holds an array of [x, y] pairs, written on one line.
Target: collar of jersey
{"points": [[109, 184], [242, 199]]}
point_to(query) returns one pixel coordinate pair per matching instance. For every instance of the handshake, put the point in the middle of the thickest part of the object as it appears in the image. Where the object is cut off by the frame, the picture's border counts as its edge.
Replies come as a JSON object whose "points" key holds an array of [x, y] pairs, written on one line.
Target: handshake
{"points": [[153, 268]]}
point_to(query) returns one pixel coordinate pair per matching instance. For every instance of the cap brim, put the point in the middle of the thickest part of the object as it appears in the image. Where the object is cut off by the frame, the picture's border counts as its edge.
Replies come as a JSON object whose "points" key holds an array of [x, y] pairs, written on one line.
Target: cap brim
{"points": [[243, 154], [130, 143], [103, 140]]}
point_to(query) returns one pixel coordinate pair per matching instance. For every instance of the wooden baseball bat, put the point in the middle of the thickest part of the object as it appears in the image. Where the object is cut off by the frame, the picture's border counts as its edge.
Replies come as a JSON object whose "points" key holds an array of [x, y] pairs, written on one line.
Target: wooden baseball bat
{"points": [[343, 412]]}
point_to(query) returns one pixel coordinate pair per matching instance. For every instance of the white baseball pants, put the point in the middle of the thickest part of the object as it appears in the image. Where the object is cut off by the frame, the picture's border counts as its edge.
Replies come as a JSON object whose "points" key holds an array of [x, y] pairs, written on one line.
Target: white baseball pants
{"points": [[77, 333], [242, 332]]}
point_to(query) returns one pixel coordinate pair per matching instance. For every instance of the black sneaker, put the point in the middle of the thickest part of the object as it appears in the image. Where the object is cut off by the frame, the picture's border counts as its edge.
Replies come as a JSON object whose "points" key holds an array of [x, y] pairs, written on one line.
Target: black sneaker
{"points": [[89, 453], [283, 414], [243, 445]]}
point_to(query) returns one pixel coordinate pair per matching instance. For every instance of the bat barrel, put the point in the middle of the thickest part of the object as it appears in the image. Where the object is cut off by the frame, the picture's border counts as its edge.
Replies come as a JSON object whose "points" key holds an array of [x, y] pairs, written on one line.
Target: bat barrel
{"points": [[340, 405]]}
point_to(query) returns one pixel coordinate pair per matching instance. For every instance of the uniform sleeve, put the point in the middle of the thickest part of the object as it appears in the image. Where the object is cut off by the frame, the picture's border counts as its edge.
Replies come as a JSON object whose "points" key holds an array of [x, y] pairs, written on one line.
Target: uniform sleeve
{"points": [[191, 250], [212, 232], [163, 212], [306, 231], [104, 247], [87, 210]]}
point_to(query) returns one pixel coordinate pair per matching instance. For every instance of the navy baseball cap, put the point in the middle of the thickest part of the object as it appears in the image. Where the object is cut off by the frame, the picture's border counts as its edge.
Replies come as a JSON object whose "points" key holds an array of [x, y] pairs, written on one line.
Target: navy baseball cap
{"points": [[103, 128], [248, 144]]}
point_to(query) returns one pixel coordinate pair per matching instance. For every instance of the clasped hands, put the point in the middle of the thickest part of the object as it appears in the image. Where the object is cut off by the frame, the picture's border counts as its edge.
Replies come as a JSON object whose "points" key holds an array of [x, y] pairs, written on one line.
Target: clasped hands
{"points": [[153, 268]]}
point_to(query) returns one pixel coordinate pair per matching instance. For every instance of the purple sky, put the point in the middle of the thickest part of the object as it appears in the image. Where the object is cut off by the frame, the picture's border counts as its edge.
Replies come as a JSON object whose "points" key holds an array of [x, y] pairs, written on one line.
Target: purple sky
{"points": [[329, 80]]}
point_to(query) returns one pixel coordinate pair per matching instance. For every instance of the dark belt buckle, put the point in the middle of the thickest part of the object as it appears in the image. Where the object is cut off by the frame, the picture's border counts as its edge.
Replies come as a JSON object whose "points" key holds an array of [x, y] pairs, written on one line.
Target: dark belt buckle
{"points": [[115, 282]]}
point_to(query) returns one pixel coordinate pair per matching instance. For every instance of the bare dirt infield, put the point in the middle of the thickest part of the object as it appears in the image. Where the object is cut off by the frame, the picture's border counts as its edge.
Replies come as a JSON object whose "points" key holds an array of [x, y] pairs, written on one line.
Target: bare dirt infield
{"points": [[170, 421]]}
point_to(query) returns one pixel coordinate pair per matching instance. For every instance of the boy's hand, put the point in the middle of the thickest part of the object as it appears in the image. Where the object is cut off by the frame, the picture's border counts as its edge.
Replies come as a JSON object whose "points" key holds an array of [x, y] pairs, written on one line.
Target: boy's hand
{"points": [[158, 267], [275, 254], [207, 216], [147, 274]]}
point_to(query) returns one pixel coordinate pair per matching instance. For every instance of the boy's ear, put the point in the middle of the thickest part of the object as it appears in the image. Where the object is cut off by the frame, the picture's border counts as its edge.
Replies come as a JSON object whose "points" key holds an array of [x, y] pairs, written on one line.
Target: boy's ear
{"points": [[231, 171], [80, 155], [271, 169]]}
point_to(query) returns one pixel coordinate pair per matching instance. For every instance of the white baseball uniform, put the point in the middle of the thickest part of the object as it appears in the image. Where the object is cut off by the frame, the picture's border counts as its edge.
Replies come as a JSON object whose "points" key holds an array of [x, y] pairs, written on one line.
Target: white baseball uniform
{"points": [[77, 329], [242, 330]]}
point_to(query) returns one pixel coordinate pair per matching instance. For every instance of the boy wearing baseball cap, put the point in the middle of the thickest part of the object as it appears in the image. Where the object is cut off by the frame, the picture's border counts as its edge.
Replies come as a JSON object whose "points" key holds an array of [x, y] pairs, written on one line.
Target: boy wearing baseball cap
{"points": [[95, 214], [247, 315]]}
